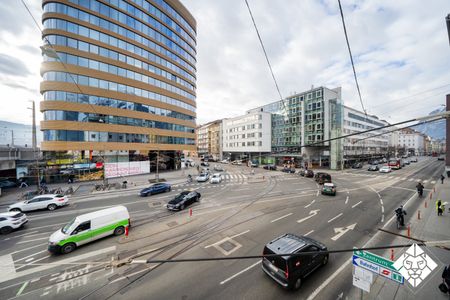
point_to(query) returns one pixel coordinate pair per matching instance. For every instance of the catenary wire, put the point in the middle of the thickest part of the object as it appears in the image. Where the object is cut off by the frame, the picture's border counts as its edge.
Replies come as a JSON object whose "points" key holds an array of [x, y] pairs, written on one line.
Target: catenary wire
{"points": [[351, 58]]}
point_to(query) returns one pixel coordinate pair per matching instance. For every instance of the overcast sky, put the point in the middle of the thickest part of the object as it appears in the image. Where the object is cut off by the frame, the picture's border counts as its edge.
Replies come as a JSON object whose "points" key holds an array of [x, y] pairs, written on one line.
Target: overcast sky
{"points": [[401, 51]]}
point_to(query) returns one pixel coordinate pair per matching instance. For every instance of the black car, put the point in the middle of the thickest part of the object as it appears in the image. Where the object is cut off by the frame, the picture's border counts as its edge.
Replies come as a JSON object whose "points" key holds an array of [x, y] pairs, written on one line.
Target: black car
{"points": [[183, 199], [272, 167], [373, 168], [155, 189], [5, 184], [288, 170], [289, 271], [309, 173], [357, 166], [204, 164], [322, 177]]}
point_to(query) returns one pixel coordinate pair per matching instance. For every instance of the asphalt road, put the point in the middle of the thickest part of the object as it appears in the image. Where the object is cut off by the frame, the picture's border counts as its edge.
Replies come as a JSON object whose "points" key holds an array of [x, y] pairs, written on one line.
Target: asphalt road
{"points": [[234, 218]]}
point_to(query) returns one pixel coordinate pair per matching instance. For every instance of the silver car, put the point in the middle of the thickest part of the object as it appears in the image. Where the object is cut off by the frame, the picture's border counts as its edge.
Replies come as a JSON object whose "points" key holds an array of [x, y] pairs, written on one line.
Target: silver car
{"points": [[50, 202]]}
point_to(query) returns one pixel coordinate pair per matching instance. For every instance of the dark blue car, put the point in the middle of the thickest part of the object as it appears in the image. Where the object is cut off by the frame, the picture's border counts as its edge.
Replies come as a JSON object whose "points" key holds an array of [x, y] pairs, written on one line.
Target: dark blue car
{"points": [[155, 189]]}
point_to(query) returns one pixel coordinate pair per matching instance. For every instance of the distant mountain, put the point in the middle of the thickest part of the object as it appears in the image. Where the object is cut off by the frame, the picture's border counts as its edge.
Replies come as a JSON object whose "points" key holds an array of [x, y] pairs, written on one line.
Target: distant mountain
{"points": [[435, 130]]}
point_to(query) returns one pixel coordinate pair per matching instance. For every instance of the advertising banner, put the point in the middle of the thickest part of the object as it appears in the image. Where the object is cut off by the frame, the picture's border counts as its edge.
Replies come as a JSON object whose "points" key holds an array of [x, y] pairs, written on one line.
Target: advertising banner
{"points": [[126, 168]]}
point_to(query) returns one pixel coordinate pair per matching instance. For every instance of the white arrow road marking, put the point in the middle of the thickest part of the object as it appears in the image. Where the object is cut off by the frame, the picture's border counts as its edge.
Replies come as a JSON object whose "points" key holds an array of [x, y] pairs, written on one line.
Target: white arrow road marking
{"points": [[311, 214], [342, 230]]}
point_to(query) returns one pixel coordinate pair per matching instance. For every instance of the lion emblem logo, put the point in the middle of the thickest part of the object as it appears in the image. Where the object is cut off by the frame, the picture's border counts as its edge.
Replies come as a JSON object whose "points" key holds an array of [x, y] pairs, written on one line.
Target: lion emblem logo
{"points": [[415, 265]]}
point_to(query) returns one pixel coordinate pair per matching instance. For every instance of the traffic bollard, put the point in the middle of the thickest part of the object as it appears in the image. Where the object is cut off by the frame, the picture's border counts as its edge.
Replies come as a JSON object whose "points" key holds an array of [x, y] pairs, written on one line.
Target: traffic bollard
{"points": [[426, 204], [392, 254], [127, 230], [409, 230], [418, 214], [190, 212]]}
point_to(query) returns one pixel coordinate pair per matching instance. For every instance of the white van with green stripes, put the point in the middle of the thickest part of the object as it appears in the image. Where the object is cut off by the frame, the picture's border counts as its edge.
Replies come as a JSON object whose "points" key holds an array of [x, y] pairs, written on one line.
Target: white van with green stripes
{"points": [[89, 227]]}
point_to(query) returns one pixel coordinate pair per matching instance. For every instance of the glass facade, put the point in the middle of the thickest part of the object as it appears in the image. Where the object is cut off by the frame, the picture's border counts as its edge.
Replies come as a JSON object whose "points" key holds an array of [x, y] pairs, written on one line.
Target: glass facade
{"points": [[132, 60]]}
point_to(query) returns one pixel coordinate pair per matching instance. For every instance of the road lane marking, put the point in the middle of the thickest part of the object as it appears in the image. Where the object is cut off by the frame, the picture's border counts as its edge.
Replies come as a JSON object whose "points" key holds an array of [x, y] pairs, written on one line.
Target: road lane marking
{"points": [[28, 248], [30, 259], [332, 219], [433, 182], [57, 264], [317, 193], [39, 239], [346, 200], [22, 288], [226, 239], [16, 236], [26, 265], [312, 213], [17, 260], [355, 205], [282, 217], [308, 233], [348, 262], [312, 202], [240, 272]]}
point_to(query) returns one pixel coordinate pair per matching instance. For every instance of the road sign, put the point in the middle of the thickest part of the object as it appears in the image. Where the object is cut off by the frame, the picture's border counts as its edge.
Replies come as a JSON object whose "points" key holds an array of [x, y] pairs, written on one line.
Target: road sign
{"points": [[379, 260], [378, 269]]}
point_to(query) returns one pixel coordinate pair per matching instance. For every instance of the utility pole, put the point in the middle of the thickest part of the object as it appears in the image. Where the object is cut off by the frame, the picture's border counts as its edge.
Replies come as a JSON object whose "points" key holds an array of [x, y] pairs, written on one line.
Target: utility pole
{"points": [[157, 166], [34, 143]]}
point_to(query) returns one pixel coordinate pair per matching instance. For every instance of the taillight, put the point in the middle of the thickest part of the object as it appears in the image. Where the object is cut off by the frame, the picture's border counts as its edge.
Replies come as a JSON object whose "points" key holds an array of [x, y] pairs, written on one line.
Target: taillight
{"points": [[286, 273], [61, 199]]}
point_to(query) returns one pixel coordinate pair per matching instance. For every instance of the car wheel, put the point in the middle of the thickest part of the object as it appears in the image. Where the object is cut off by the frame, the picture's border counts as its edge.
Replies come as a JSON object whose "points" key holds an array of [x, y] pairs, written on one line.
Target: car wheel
{"points": [[182, 207], [325, 260], [16, 209], [51, 207], [119, 230], [5, 230], [67, 248], [297, 284]]}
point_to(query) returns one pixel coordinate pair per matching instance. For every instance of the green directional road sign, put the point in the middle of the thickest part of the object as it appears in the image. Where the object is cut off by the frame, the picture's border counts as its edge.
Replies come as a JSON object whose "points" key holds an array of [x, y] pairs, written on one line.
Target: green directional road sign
{"points": [[386, 263]]}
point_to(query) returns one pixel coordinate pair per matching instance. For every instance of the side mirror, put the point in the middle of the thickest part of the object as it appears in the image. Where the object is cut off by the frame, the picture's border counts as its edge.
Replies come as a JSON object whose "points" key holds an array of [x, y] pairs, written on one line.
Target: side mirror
{"points": [[74, 232]]}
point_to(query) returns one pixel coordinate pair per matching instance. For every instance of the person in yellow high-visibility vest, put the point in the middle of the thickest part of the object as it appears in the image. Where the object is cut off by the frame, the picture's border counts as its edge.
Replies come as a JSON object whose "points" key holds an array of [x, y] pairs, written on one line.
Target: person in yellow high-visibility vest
{"points": [[439, 207]]}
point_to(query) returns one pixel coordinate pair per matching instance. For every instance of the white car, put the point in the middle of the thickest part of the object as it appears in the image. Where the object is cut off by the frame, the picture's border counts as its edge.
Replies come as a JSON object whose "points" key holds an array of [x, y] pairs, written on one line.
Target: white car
{"points": [[50, 202], [385, 169], [225, 161], [11, 220], [203, 177], [216, 178]]}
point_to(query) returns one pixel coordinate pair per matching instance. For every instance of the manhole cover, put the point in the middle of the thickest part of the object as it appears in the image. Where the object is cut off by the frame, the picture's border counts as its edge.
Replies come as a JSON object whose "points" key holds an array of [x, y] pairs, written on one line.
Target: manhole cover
{"points": [[227, 246], [156, 203], [171, 224]]}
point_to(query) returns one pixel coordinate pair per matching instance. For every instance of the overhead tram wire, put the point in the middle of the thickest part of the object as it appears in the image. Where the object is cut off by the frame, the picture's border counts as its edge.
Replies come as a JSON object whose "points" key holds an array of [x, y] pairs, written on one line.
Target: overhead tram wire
{"points": [[397, 129], [436, 117], [351, 58], [267, 58]]}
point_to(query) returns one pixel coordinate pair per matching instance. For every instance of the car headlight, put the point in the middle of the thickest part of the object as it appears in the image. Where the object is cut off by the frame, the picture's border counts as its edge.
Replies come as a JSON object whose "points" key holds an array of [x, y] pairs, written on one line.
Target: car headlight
{"points": [[51, 243]]}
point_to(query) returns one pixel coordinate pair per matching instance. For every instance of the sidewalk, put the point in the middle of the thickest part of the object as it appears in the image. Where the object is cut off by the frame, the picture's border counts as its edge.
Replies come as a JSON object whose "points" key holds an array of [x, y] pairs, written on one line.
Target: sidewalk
{"points": [[429, 227], [85, 188]]}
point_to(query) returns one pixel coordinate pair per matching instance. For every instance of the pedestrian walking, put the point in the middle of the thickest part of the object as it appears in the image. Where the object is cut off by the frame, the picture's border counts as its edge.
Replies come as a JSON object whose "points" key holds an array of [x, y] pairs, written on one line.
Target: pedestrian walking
{"points": [[442, 178], [23, 183], [439, 207]]}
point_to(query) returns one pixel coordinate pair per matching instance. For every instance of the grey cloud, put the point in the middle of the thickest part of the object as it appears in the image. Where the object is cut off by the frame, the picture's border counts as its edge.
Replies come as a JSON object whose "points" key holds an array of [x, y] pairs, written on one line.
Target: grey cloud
{"points": [[13, 66], [31, 49], [17, 85]]}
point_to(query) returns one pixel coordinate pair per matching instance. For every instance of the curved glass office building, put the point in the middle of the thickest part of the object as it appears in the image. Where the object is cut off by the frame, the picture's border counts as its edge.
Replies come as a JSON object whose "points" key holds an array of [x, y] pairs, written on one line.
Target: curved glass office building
{"points": [[124, 76]]}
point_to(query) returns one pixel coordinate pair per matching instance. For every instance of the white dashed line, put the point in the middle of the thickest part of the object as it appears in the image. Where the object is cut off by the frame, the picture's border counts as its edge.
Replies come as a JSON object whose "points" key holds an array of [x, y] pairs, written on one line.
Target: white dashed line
{"points": [[346, 200], [240, 272], [282, 217], [306, 234], [331, 220], [312, 202], [355, 205]]}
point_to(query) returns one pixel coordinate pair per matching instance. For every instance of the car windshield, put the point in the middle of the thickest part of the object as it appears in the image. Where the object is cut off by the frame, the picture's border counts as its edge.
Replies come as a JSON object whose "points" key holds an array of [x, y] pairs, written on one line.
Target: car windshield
{"points": [[66, 228]]}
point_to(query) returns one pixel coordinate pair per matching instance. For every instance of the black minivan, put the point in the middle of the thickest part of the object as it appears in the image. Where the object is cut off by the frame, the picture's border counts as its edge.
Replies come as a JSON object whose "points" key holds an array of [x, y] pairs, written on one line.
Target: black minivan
{"points": [[289, 271]]}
